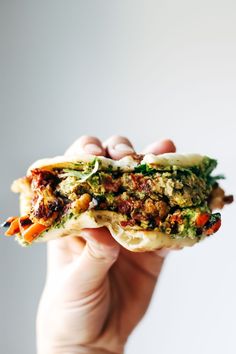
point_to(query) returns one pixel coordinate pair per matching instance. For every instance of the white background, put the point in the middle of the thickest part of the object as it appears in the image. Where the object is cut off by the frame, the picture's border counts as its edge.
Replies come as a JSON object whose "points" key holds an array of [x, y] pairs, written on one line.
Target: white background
{"points": [[145, 69]]}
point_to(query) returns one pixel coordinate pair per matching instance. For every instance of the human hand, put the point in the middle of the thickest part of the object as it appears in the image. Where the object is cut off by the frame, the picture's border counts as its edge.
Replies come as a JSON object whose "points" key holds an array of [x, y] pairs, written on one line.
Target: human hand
{"points": [[96, 291]]}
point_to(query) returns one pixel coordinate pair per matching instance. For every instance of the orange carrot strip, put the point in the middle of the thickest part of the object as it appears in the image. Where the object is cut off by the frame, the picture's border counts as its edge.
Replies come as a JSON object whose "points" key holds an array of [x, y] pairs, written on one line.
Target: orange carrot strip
{"points": [[13, 228], [33, 231], [11, 218], [21, 223]]}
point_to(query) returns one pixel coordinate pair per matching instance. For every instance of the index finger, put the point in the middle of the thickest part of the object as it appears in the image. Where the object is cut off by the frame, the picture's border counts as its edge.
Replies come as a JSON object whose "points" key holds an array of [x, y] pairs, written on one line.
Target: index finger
{"points": [[86, 144], [160, 147]]}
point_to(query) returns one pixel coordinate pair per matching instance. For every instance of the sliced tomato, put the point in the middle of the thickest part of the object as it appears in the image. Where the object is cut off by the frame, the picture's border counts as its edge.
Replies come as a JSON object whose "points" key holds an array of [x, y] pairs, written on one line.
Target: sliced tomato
{"points": [[202, 219], [213, 228]]}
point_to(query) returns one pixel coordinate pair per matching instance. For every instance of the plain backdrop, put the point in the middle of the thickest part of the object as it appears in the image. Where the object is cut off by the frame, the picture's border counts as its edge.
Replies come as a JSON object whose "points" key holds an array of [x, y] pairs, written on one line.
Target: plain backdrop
{"points": [[145, 69]]}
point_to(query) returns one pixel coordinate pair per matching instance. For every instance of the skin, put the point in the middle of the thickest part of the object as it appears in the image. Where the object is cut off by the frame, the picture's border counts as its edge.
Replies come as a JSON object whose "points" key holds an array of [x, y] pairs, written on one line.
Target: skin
{"points": [[96, 291]]}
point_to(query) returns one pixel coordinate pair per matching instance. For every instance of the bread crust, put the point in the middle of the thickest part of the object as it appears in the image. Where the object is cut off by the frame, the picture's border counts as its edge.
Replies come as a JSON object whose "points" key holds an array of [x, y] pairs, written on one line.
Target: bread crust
{"points": [[133, 240], [127, 163]]}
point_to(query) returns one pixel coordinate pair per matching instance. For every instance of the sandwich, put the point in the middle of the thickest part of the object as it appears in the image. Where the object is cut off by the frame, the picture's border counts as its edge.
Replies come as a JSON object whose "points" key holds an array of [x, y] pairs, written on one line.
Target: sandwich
{"points": [[147, 201]]}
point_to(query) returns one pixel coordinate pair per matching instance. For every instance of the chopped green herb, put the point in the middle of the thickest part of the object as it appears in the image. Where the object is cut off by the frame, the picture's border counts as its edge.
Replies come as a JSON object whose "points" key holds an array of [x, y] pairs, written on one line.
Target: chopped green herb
{"points": [[145, 169], [213, 179], [82, 176]]}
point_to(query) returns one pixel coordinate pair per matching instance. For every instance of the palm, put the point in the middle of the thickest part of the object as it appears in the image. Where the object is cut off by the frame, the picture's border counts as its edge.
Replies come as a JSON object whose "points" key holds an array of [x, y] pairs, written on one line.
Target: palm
{"points": [[119, 301], [134, 277]]}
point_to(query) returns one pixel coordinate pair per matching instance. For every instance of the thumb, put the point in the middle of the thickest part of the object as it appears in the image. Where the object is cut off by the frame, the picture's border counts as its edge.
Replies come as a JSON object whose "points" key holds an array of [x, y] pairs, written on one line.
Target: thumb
{"points": [[97, 257]]}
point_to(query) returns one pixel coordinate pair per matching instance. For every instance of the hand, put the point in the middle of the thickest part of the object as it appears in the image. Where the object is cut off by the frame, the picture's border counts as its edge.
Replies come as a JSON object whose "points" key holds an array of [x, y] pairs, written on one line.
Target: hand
{"points": [[96, 291]]}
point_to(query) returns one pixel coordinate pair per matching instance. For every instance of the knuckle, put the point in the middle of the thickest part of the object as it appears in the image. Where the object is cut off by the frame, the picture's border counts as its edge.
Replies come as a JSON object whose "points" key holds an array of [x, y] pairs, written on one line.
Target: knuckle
{"points": [[84, 139], [114, 139], [103, 253]]}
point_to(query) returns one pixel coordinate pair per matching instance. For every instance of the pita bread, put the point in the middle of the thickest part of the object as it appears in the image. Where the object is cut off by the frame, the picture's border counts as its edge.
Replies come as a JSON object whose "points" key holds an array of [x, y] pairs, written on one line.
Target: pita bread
{"points": [[127, 163], [133, 240]]}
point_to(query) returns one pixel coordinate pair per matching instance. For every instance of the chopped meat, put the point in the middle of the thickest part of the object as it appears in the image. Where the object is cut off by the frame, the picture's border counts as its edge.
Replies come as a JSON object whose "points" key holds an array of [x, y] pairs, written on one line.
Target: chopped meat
{"points": [[160, 208], [163, 208], [218, 199], [111, 184], [45, 204], [174, 202], [82, 203]]}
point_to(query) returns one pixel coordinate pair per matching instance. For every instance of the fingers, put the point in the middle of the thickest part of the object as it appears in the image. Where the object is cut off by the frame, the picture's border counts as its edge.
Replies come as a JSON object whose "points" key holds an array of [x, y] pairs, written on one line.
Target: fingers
{"points": [[86, 145], [99, 254], [163, 252], [118, 146], [64, 251], [115, 147], [160, 147]]}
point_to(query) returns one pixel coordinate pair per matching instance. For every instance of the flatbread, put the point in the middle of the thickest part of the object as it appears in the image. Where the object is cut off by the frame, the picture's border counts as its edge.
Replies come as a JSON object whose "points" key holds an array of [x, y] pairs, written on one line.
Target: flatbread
{"points": [[133, 240], [127, 163]]}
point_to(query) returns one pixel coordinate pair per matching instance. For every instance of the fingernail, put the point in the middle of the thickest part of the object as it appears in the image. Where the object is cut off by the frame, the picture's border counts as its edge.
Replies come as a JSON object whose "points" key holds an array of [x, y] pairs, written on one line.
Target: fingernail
{"points": [[123, 148], [92, 149]]}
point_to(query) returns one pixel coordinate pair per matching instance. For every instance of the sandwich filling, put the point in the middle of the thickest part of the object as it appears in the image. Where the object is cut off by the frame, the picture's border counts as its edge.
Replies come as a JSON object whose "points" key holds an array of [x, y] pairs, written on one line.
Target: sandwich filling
{"points": [[172, 199]]}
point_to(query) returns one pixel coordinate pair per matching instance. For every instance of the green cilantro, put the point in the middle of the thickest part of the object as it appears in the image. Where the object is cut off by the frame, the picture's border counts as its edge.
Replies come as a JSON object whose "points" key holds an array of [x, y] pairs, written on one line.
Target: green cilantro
{"points": [[144, 169]]}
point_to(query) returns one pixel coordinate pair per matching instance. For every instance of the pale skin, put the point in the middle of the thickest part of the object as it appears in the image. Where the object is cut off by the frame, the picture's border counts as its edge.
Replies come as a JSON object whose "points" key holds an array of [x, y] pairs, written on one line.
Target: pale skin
{"points": [[96, 291]]}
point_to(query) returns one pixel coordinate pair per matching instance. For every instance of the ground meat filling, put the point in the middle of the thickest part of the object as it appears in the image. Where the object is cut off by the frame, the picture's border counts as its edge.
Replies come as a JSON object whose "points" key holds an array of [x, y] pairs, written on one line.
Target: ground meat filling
{"points": [[45, 204], [168, 200]]}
